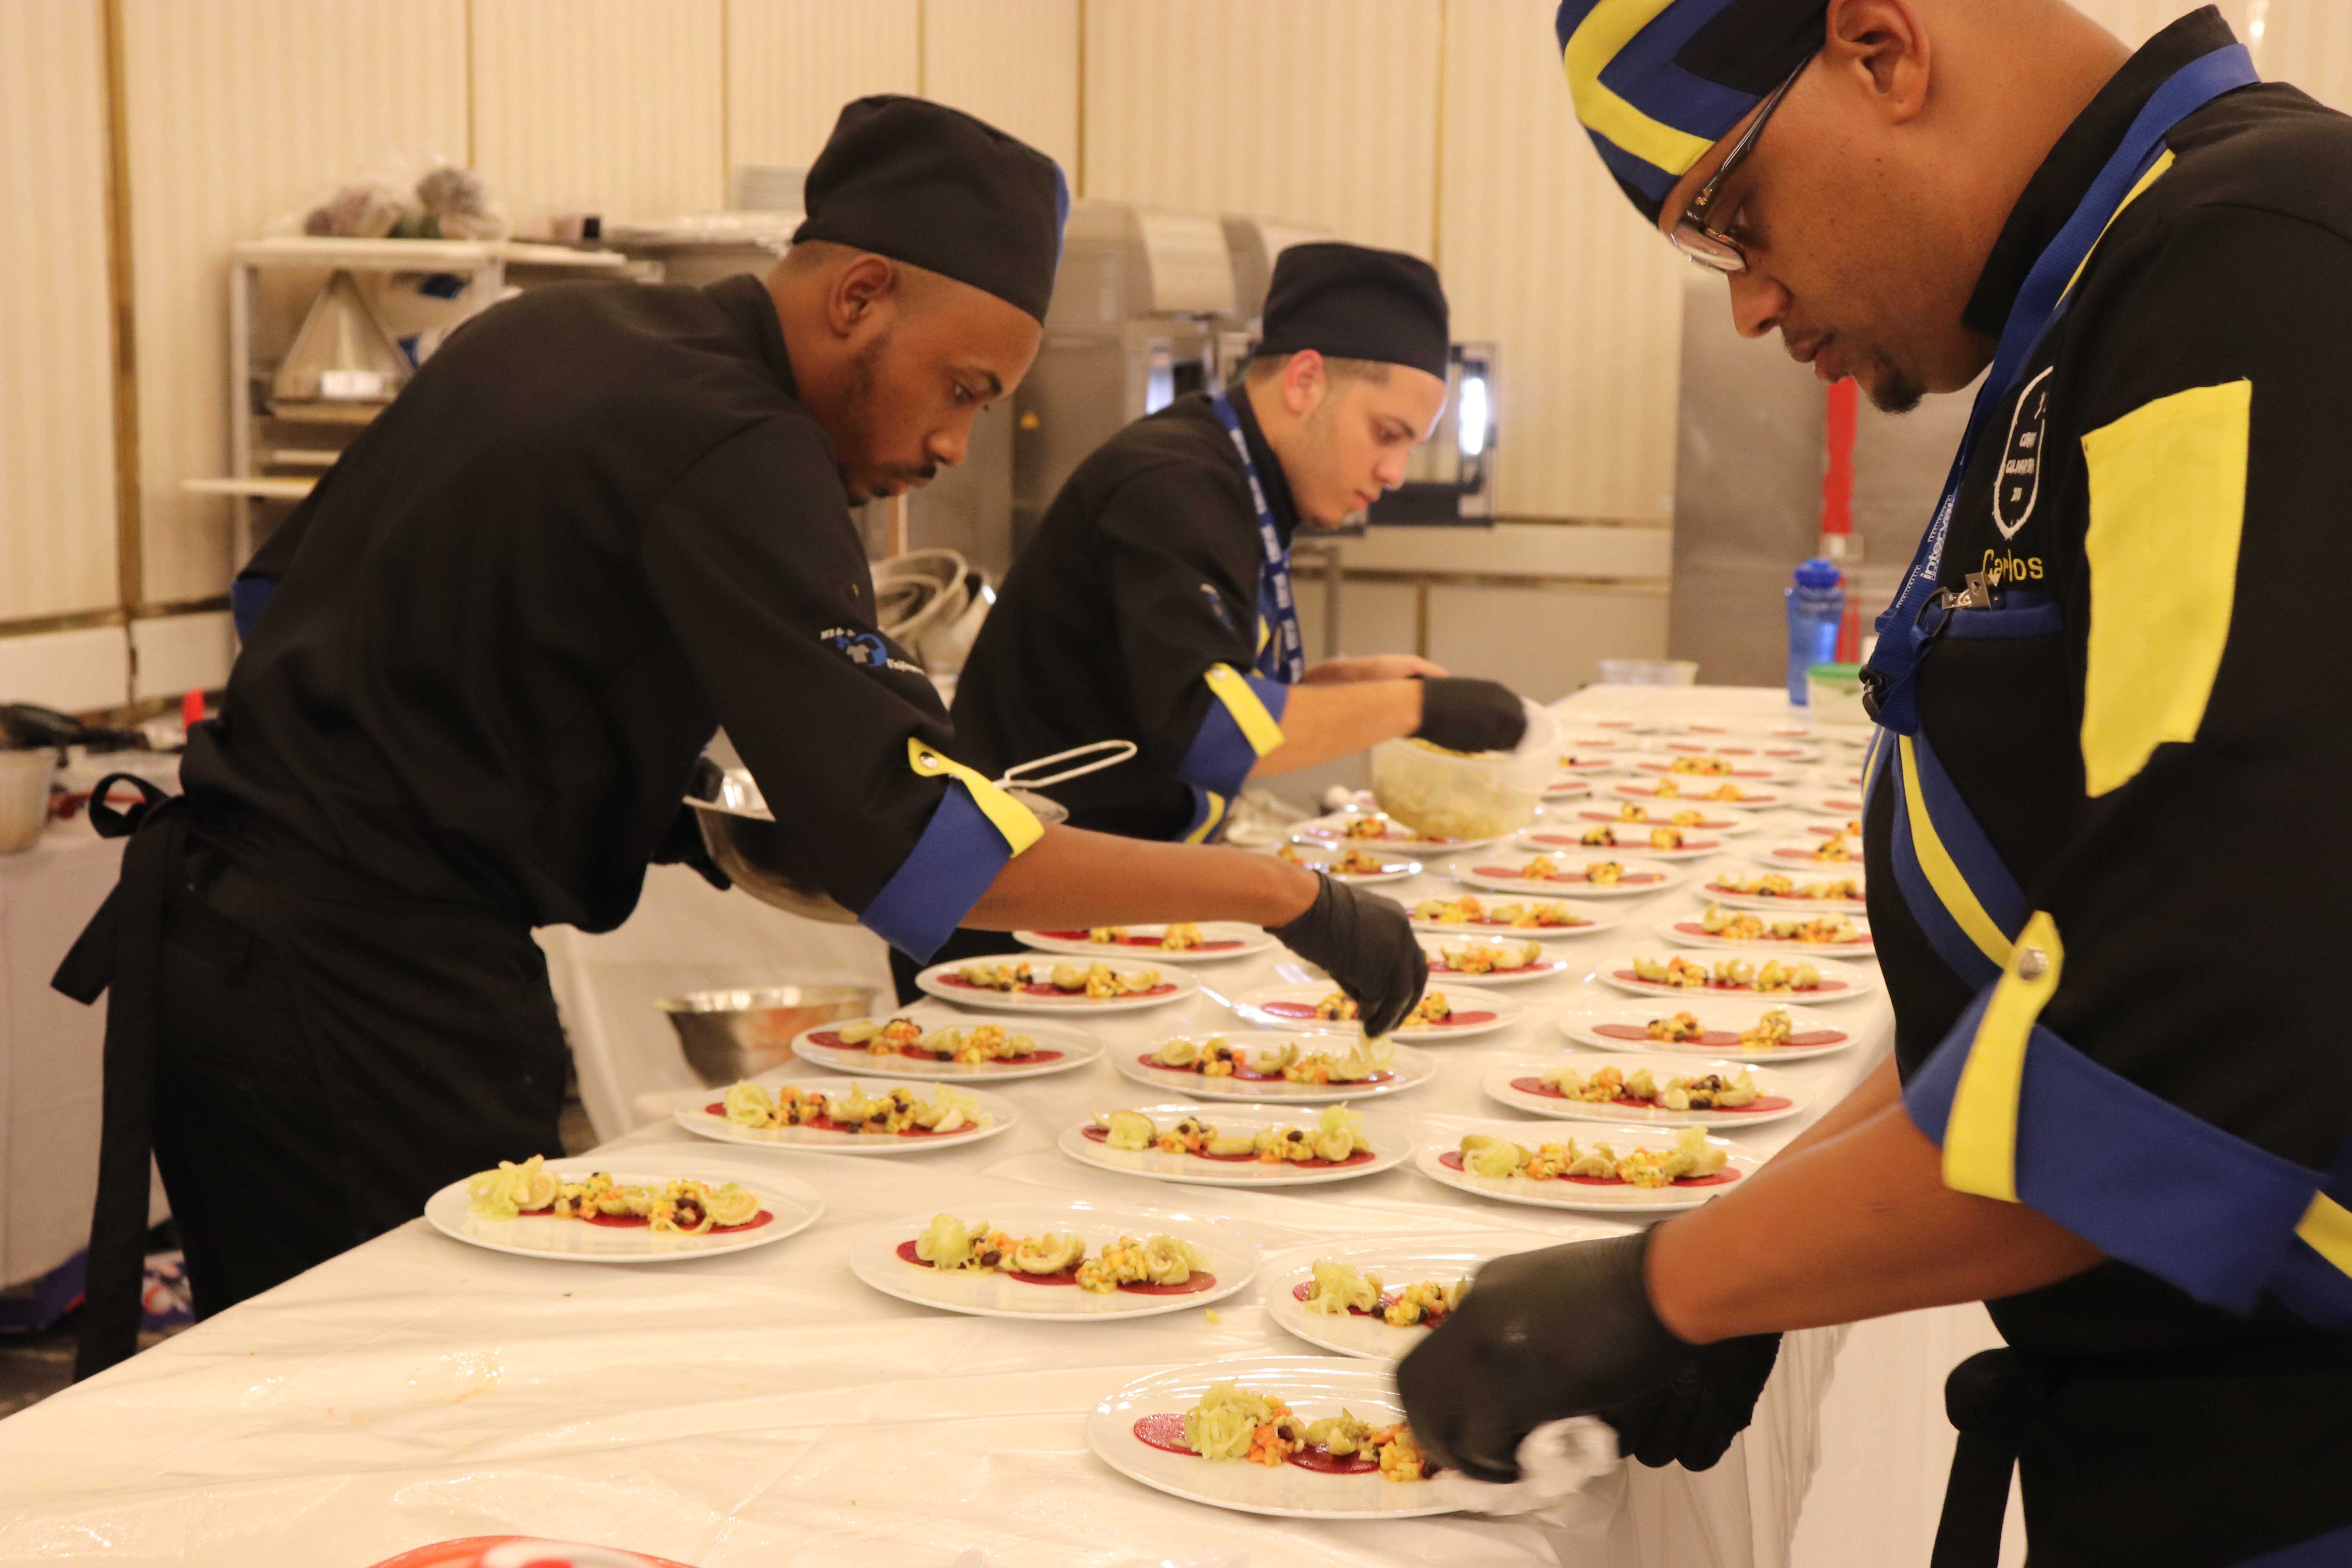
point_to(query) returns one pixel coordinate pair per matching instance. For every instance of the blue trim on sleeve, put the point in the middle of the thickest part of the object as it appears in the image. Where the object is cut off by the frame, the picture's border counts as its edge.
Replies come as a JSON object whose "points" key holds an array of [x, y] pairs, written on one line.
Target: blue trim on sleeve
{"points": [[248, 596], [2332, 1550], [1220, 757], [2145, 1181], [942, 876]]}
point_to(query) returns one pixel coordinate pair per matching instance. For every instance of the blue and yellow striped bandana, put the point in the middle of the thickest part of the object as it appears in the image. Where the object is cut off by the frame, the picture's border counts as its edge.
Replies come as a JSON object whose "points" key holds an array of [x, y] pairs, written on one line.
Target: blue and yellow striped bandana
{"points": [[1657, 82]]}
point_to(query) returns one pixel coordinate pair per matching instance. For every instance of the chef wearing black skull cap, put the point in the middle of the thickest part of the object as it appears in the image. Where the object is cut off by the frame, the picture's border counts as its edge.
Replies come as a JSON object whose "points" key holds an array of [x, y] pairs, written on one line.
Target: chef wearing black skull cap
{"points": [[603, 520]]}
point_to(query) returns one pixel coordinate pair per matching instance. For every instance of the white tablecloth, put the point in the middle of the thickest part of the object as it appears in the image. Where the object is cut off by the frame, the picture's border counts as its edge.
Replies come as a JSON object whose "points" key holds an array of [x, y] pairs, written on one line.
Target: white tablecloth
{"points": [[765, 1408]]}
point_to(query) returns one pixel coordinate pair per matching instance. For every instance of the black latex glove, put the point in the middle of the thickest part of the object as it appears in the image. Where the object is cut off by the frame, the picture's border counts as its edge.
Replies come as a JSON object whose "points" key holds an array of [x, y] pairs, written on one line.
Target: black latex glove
{"points": [[682, 845], [1463, 714], [1569, 1330], [1367, 944]]}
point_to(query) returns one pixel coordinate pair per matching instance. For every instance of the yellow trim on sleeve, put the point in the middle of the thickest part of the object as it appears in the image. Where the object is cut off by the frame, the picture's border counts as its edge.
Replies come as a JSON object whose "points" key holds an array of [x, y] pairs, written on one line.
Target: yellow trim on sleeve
{"points": [[1980, 1133], [2155, 172], [2327, 1227], [1015, 821], [1265, 634], [1257, 725], [1607, 28], [1216, 814], [1958, 899], [2167, 504]]}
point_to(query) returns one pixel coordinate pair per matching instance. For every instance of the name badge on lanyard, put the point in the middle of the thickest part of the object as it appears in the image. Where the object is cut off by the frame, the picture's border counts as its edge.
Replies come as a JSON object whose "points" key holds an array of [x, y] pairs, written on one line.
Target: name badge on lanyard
{"points": [[1888, 688], [1282, 656]]}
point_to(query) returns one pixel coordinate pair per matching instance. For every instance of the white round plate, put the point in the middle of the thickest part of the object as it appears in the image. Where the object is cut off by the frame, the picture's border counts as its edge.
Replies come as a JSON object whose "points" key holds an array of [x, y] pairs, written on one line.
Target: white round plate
{"points": [[1687, 932], [1219, 940], [1715, 824], [1568, 1193], [1711, 886], [1568, 786], [1591, 724], [1839, 982], [1314, 1386], [1587, 755], [1175, 985], [877, 1259], [1744, 770], [1293, 1007], [1059, 1049], [1545, 967], [1390, 1143], [1394, 868], [698, 1115], [1798, 854], [1332, 831], [1777, 1095], [1399, 1261], [1622, 1029], [1742, 750], [1594, 919], [1631, 838], [791, 1206], [1410, 1069], [1739, 730], [1845, 802], [1699, 793], [1504, 872]]}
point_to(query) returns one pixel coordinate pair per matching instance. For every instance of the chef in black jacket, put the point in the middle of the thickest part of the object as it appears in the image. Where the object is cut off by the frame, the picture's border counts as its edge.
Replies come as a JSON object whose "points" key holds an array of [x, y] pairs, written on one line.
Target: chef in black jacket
{"points": [[2107, 867], [601, 521], [1155, 603]]}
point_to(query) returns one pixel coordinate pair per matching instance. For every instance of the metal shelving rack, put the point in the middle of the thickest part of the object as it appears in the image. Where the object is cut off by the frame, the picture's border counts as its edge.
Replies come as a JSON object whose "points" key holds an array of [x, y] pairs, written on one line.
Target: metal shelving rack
{"points": [[275, 458]]}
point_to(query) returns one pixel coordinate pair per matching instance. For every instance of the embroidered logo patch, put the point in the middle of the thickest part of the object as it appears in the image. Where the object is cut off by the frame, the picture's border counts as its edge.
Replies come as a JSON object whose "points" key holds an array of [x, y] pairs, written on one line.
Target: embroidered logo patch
{"points": [[2018, 483], [865, 649]]}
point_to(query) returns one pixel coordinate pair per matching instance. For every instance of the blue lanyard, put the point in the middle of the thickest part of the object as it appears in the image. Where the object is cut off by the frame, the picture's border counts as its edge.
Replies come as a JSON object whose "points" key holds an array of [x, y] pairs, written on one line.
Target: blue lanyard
{"points": [[1284, 658], [1902, 642]]}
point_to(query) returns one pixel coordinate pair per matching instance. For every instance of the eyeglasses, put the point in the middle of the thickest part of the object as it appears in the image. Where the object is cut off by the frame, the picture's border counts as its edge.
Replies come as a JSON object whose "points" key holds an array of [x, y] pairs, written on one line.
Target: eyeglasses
{"points": [[1711, 248]]}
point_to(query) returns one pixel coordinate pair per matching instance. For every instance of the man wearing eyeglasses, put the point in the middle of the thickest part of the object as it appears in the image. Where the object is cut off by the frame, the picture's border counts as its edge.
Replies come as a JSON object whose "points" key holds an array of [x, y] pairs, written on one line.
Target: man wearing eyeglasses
{"points": [[2107, 886]]}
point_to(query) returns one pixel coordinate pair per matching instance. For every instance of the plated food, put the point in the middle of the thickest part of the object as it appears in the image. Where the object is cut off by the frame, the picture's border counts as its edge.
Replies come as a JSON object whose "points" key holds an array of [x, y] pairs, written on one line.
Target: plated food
{"points": [[1631, 814], [1839, 887], [1035, 985], [1659, 841], [1180, 942], [1073, 1260], [1618, 1168], [583, 1211], [1491, 960], [1678, 975], [1235, 1145], [838, 1120], [1445, 1013], [1747, 796], [1846, 802], [1739, 730], [1354, 863], [1375, 829], [1821, 931], [1379, 1299], [1292, 1436], [1812, 852], [1738, 749], [1252, 1064], [1527, 916], [1569, 786], [1665, 1091], [1727, 1030], [1593, 876], [908, 1045], [1707, 768]]}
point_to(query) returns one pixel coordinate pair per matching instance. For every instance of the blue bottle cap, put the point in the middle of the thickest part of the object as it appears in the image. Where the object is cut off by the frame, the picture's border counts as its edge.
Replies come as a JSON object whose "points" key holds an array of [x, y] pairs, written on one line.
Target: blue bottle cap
{"points": [[1819, 572]]}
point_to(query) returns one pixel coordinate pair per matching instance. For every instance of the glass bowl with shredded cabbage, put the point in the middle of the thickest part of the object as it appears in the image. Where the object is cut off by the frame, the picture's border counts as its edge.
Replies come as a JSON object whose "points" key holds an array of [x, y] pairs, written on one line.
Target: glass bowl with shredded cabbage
{"points": [[1442, 793]]}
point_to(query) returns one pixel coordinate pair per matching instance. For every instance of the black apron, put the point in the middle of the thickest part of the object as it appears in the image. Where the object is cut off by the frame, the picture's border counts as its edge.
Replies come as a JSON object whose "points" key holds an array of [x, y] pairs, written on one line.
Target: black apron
{"points": [[424, 1035]]}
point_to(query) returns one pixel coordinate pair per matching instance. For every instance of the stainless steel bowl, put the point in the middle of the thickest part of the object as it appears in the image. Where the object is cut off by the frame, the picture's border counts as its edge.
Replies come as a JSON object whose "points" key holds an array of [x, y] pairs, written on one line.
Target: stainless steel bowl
{"points": [[732, 1035]]}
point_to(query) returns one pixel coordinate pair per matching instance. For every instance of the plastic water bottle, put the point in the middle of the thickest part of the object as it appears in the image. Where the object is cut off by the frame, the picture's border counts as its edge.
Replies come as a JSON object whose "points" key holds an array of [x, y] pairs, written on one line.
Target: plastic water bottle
{"points": [[1816, 609]]}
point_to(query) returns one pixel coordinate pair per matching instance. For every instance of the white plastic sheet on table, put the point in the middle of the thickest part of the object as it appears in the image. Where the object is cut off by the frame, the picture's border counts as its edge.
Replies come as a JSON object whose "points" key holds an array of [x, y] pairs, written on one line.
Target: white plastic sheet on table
{"points": [[766, 1408]]}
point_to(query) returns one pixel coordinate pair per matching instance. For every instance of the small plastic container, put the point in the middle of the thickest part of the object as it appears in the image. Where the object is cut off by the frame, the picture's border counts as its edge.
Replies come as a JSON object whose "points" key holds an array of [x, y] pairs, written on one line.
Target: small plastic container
{"points": [[1833, 692], [1449, 795]]}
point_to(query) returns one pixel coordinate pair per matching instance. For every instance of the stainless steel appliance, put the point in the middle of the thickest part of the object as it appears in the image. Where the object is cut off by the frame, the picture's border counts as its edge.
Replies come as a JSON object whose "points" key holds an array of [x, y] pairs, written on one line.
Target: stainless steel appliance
{"points": [[1451, 477]]}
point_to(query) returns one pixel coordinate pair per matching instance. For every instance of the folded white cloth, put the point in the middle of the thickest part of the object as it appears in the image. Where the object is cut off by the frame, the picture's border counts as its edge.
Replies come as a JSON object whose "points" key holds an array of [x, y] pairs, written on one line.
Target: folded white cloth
{"points": [[1570, 1477]]}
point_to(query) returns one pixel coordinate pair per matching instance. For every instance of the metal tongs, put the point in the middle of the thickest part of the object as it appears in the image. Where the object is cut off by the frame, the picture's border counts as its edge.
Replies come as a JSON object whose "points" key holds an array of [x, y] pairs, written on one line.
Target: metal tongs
{"points": [[1017, 783]]}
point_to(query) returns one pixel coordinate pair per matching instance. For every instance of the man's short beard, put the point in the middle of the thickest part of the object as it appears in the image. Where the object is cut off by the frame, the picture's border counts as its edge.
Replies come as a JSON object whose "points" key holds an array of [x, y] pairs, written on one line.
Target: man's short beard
{"points": [[1893, 391]]}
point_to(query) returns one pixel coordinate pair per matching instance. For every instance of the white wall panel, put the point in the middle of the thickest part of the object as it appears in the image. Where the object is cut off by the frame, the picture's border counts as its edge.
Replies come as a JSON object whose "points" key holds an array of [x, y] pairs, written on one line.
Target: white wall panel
{"points": [[2309, 43], [1543, 253], [791, 64], [240, 110], [57, 402], [2135, 21], [1014, 63], [77, 671], [1319, 112], [615, 107]]}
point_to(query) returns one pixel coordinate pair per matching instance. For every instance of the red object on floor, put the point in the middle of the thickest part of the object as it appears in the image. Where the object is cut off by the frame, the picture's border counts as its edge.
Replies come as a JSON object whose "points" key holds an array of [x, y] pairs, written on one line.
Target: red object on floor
{"points": [[522, 1551]]}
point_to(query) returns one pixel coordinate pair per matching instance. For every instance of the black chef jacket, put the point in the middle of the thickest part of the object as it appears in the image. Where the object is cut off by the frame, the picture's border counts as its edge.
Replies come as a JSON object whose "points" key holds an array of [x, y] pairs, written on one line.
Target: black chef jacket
{"points": [[2151, 730], [1133, 615], [595, 526]]}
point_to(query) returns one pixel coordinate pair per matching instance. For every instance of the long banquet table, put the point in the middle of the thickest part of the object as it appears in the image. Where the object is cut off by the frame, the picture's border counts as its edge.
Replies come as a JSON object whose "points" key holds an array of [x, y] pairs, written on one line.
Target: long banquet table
{"points": [[765, 1408]]}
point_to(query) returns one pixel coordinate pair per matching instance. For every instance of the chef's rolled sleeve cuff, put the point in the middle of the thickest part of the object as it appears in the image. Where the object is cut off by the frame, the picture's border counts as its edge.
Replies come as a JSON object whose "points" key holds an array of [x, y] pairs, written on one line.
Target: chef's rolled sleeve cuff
{"points": [[975, 830], [1242, 723]]}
